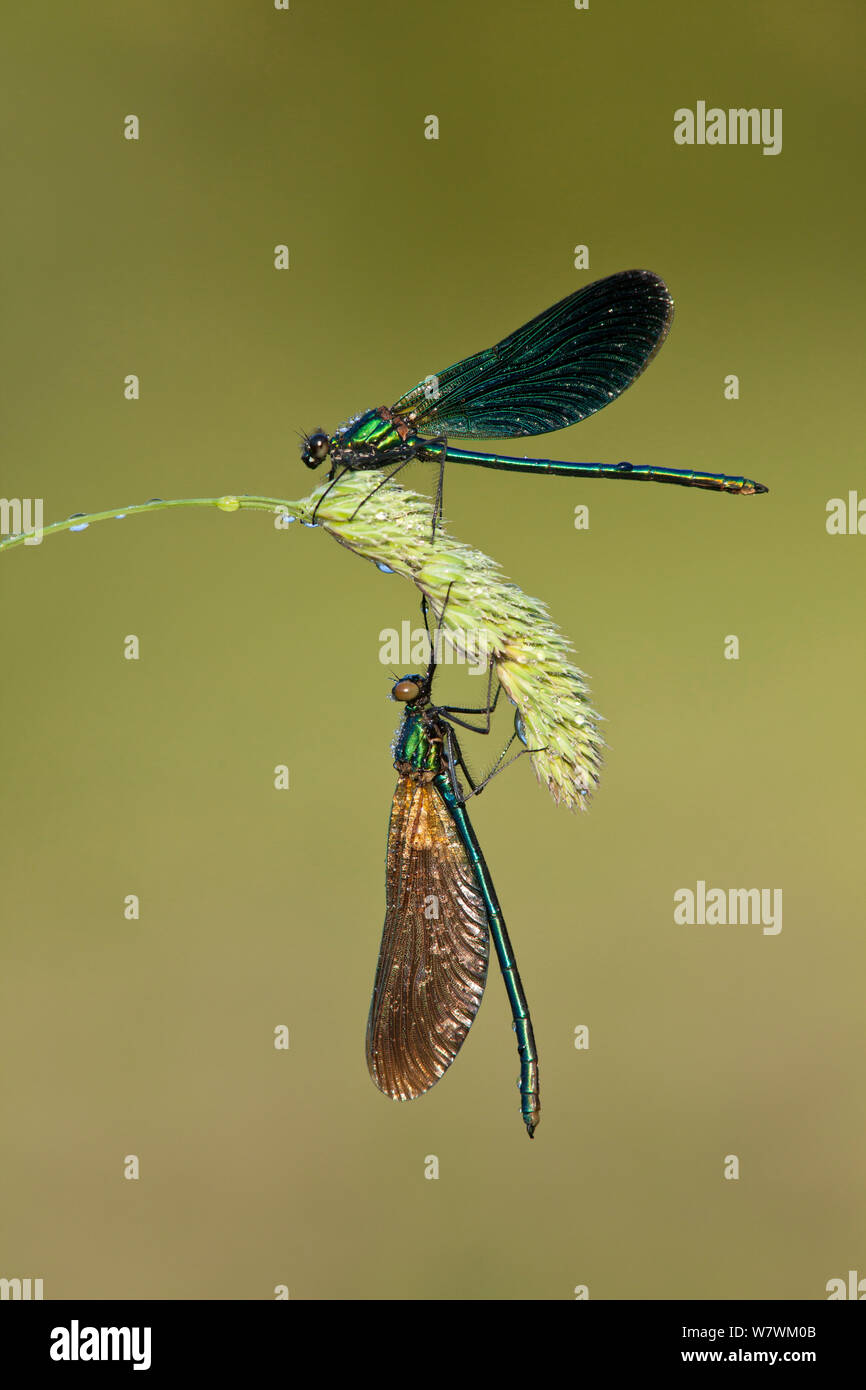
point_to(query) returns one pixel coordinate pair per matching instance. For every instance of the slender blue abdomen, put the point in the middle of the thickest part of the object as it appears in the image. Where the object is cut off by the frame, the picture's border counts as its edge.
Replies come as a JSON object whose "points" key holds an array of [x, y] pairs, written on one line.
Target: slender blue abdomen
{"points": [[638, 473]]}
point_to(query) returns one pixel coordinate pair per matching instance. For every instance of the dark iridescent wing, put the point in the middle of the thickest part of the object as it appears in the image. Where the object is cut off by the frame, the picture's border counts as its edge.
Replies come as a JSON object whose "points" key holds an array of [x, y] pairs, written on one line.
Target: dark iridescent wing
{"points": [[433, 957], [562, 366]]}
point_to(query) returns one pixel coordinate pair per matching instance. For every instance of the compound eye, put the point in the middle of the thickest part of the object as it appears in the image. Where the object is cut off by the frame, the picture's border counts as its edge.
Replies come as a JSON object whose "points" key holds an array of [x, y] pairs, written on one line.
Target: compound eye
{"points": [[406, 690], [315, 449]]}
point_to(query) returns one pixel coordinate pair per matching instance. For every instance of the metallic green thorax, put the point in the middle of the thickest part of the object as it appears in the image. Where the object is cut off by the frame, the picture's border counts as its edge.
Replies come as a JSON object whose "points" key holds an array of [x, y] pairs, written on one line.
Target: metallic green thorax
{"points": [[372, 438], [414, 745]]}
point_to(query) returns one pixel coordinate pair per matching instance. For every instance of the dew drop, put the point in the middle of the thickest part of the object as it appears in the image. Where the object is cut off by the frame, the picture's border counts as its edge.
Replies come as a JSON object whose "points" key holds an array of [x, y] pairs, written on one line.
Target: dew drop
{"points": [[72, 516], [386, 569]]}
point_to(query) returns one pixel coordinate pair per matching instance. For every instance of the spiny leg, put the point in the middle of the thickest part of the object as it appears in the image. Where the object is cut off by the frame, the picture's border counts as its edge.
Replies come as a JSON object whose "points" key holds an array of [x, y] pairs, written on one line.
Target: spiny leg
{"points": [[457, 709], [454, 757], [499, 766], [431, 664], [451, 710], [372, 493], [329, 488], [440, 486], [426, 605]]}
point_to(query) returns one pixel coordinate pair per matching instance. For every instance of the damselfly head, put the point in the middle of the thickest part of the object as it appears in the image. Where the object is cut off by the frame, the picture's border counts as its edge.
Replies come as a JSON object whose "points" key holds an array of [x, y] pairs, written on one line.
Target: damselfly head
{"points": [[407, 689], [315, 448]]}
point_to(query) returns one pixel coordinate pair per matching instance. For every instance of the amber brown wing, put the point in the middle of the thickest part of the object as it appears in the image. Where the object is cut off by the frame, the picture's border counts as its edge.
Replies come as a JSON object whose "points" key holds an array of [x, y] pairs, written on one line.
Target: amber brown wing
{"points": [[433, 957]]}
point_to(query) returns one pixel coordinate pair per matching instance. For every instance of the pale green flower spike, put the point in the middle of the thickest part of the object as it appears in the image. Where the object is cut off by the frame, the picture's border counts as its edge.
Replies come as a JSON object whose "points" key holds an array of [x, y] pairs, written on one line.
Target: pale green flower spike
{"points": [[484, 611], [532, 656]]}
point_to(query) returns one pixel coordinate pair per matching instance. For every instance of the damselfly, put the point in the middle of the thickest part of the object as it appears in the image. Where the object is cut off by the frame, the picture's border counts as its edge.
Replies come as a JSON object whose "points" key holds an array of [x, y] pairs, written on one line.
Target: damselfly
{"points": [[556, 370], [441, 909]]}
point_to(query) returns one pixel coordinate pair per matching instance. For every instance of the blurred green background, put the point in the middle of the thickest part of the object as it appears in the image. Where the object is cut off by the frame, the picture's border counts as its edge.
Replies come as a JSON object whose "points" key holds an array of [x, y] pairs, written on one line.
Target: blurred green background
{"points": [[154, 777]]}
